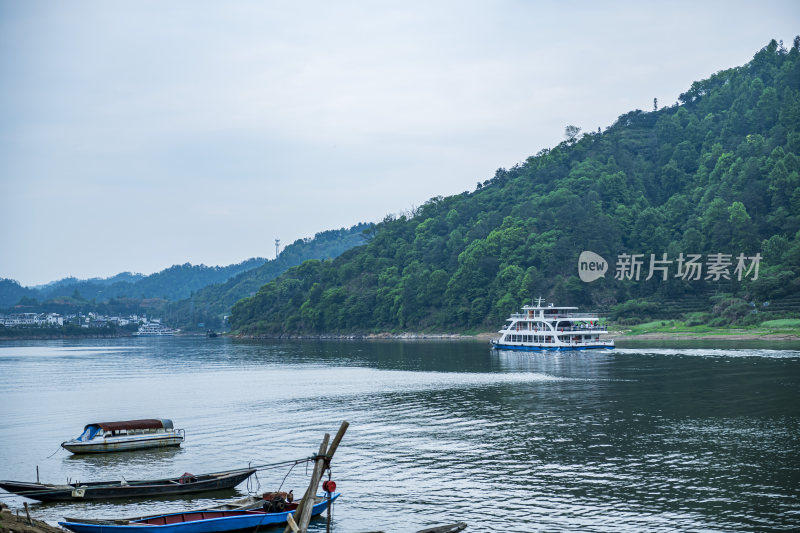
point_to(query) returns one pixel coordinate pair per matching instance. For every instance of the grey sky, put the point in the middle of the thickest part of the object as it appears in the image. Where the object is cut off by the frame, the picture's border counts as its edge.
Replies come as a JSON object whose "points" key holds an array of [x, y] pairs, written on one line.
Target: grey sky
{"points": [[137, 135]]}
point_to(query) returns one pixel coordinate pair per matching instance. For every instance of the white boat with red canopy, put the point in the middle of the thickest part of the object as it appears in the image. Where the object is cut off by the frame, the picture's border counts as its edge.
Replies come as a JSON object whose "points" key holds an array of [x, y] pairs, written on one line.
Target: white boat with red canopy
{"points": [[541, 327], [101, 437]]}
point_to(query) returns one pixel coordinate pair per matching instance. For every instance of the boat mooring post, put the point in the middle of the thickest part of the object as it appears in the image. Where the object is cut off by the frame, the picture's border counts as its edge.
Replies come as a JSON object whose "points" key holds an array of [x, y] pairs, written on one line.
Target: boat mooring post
{"points": [[303, 511], [307, 502]]}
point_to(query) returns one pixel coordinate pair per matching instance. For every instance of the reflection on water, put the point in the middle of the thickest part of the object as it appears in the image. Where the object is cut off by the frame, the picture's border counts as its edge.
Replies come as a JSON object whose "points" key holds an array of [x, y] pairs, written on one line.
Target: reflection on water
{"points": [[667, 437]]}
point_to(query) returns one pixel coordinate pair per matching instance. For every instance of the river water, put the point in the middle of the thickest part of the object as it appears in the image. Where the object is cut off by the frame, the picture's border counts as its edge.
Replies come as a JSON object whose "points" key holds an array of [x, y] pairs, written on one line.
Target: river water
{"points": [[648, 437]]}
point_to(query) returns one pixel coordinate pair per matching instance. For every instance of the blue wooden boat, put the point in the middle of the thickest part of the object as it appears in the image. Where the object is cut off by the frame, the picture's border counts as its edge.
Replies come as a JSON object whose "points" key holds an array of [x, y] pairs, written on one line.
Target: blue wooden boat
{"points": [[207, 521]]}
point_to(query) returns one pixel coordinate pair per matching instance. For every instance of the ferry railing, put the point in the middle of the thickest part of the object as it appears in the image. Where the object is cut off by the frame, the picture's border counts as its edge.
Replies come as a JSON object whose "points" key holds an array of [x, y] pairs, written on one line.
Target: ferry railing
{"points": [[559, 316], [591, 343], [587, 329]]}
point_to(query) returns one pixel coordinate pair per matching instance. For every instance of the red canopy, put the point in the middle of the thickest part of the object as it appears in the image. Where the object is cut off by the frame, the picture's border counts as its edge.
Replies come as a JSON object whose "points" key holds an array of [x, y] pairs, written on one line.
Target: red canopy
{"points": [[147, 423]]}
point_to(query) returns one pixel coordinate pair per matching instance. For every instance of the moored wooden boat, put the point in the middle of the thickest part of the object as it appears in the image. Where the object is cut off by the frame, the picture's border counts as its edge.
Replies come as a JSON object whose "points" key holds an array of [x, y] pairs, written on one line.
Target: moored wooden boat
{"points": [[242, 504], [206, 521], [102, 437], [103, 490]]}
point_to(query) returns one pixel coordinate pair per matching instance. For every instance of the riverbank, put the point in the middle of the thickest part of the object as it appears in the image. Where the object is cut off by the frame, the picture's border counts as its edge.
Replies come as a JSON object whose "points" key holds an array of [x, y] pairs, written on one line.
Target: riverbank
{"points": [[773, 330], [19, 523], [722, 334]]}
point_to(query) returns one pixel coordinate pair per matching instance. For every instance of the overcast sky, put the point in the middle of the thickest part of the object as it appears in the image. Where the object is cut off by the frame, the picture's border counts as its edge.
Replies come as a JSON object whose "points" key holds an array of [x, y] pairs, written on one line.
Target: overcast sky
{"points": [[137, 135]]}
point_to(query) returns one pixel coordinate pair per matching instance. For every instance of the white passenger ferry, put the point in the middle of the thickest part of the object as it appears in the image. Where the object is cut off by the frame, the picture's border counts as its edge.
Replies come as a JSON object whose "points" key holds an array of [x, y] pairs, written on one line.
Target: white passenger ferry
{"points": [[541, 327], [154, 329]]}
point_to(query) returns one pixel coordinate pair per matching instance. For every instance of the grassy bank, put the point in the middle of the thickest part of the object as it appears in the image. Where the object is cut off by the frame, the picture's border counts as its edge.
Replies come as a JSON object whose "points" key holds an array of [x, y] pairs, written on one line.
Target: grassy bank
{"points": [[772, 329]]}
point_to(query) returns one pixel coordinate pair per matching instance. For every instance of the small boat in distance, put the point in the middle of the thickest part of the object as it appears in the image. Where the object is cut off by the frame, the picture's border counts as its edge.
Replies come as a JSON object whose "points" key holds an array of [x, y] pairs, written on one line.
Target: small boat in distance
{"points": [[105, 490], [211, 521], [541, 327], [154, 329], [101, 437]]}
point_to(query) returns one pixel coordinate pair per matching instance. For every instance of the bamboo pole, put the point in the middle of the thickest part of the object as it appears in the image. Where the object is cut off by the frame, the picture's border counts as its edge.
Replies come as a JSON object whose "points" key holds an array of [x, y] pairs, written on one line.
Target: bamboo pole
{"points": [[303, 512], [307, 501], [337, 439]]}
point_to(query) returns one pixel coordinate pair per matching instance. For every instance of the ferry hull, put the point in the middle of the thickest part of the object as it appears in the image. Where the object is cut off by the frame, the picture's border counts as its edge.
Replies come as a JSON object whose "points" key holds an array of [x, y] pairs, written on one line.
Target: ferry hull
{"points": [[521, 348]]}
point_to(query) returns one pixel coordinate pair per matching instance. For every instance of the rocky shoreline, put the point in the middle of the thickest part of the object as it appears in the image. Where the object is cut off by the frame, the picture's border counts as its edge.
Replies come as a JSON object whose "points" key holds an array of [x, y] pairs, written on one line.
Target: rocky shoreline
{"points": [[619, 335], [407, 336]]}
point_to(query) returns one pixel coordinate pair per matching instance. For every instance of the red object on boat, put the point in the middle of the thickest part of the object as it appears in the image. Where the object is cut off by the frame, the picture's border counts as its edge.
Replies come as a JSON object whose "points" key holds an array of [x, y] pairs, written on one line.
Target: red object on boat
{"points": [[329, 486]]}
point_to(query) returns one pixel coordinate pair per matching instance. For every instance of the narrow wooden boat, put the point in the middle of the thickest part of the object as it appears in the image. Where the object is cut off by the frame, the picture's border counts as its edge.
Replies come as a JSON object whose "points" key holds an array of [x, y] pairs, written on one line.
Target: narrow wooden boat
{"points": [[102, 437], [242, 504], [103, 490], [212, 521]]}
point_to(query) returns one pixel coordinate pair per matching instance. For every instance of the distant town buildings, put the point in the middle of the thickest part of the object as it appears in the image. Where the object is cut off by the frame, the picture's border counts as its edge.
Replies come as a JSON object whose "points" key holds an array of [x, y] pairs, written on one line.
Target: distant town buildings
{"points": [[89, 320], [31, 319]]}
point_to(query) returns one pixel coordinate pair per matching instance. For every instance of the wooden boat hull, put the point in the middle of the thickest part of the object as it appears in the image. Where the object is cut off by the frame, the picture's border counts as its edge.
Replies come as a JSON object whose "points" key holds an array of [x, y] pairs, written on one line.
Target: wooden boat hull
{"points": [[198, 522], [105, 490]]}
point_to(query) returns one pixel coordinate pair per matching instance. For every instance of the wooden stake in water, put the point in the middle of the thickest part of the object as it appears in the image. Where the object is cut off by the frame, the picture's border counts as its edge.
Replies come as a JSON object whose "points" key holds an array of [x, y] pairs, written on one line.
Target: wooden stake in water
{"points": [[303, 512]]}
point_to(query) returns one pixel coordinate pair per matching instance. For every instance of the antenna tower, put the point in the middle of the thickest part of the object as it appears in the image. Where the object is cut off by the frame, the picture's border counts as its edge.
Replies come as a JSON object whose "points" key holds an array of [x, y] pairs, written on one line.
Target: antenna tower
{"points": [[277, 245]]}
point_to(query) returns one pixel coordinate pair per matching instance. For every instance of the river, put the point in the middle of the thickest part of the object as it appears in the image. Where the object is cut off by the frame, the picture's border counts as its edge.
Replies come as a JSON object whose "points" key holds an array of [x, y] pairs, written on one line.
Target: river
{"points": [[648, 437]]}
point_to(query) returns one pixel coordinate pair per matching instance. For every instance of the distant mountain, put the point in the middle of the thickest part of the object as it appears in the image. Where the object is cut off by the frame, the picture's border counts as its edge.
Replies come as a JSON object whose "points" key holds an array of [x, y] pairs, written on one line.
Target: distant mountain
{"points": [[173, 283], [53, 287], [198, 293], [11, 292], [209, 305], [713, 178]]}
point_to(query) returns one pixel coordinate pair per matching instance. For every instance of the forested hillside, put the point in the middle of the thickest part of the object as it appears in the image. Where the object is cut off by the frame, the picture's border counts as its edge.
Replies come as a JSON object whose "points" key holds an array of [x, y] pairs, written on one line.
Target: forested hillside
{"points": [[12, 292], [716, 173], [209, 305]]}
